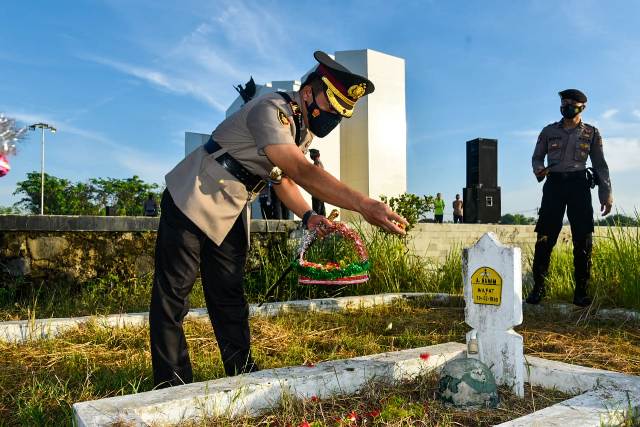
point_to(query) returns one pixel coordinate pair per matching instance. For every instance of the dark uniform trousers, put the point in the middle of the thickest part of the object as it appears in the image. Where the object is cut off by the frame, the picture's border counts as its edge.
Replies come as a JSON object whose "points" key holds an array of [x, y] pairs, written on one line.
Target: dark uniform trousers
{"points": [[182, 248], [562, 191]]}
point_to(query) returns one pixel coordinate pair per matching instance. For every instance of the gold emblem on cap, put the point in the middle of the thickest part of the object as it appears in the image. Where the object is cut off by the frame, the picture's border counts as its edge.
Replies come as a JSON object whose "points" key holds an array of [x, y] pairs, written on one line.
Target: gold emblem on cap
{"points": [[315, 112], [356, 91]]}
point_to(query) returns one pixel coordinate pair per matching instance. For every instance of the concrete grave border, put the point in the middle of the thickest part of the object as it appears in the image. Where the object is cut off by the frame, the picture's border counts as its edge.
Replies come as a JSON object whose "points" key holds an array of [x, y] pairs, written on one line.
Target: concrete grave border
{"points": [[606, 396], [24, 330]]}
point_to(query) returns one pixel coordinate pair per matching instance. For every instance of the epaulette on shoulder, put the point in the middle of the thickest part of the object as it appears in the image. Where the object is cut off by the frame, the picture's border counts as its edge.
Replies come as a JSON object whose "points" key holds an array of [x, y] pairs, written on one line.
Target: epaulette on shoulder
{"points": [[590, 126]]}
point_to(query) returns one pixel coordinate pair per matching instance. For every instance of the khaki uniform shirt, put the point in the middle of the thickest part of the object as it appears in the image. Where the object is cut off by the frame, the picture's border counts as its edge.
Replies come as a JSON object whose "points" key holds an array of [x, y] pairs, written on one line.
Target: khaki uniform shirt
{"points": [[567, 150], [209, 195]]}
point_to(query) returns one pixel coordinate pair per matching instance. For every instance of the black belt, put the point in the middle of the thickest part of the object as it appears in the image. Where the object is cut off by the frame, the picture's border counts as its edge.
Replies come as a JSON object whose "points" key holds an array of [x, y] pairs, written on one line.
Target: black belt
{"points": [[252, 182], [569, 175]]}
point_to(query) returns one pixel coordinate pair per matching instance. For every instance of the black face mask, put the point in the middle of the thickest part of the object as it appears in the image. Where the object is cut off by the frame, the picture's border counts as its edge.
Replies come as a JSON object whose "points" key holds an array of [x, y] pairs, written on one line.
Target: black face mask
{"points": [[321, 122], [570, 111]]}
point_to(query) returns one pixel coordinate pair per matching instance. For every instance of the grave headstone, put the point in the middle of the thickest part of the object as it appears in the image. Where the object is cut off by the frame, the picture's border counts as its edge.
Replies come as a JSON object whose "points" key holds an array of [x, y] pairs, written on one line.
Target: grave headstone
{"points": [[492, 274]]}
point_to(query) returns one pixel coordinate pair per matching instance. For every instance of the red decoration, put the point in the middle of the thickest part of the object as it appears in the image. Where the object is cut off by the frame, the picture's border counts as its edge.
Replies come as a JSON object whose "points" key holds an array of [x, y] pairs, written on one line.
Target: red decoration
{"points": [[334, 273], [4, 165]]}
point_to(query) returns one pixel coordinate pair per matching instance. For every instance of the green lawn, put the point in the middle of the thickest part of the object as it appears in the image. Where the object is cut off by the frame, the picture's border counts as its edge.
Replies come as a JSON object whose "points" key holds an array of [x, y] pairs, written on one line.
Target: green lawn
{"points": [[40, 380]]}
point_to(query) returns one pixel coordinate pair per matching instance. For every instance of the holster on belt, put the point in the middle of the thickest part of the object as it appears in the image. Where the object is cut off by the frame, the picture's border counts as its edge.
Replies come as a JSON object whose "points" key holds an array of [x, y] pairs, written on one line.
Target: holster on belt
{"points": [[592, 177]]}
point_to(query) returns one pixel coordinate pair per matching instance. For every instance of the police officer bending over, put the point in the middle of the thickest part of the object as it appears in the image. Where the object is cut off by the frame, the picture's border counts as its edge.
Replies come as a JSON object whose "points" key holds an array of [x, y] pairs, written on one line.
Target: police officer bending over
{"points": [[567, 144], [204, 222]]}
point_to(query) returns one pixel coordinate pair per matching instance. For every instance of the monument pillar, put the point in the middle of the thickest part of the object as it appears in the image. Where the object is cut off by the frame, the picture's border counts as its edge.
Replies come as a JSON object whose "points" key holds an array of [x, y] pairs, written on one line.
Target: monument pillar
{"points": [[373, 148]]}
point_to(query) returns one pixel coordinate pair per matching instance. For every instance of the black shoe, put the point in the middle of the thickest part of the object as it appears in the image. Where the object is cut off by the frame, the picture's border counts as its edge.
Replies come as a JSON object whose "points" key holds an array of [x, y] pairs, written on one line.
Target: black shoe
{"points": [[536, 295], [582, 301]]}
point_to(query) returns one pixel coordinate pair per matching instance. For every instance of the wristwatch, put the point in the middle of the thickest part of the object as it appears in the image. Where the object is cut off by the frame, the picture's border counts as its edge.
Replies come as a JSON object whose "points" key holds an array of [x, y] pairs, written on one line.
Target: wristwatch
{"points": [[305, 218]]}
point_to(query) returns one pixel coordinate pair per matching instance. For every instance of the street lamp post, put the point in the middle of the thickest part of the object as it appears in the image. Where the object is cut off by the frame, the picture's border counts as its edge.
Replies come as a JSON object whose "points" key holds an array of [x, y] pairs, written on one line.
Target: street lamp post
{"points": [[42, 126]]}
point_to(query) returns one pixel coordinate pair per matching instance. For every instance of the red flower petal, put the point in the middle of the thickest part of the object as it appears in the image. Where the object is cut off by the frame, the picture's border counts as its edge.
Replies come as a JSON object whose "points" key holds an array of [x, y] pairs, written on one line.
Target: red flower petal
{"points": [[424, 356], [314, 398], [374, 413], [304, 424]]}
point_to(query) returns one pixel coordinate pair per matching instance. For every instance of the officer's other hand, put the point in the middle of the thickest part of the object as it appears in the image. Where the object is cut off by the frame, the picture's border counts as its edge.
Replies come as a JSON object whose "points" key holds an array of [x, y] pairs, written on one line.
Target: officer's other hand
{"points": [[319, 224], [540, 173], [378, 213], [605, 208]]}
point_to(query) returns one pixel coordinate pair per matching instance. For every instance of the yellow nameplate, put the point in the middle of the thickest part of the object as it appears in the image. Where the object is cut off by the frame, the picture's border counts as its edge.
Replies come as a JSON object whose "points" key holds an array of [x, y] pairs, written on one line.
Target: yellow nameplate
{"points": [[487, 286]]}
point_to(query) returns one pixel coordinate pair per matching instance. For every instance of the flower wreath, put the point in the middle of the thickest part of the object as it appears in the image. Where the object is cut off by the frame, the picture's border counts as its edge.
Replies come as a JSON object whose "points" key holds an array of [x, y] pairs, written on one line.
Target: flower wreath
{"points": [[333, 273]]}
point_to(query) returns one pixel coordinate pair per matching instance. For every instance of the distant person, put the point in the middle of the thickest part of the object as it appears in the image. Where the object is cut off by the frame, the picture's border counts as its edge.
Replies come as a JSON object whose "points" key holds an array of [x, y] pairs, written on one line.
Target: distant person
{"points": [[457, 210], [439, 208], [316, 204], [150, 206], [567, 144]]}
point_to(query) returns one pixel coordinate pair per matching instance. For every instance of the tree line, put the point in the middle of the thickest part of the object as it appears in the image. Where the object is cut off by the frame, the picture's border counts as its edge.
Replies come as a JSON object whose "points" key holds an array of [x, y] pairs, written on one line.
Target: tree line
{"points": [[65, 197]]}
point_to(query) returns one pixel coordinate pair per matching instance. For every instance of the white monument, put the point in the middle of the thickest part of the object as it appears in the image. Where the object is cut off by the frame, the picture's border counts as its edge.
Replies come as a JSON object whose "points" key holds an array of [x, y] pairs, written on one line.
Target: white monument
{"points": [[492, 274], [367, 151]]}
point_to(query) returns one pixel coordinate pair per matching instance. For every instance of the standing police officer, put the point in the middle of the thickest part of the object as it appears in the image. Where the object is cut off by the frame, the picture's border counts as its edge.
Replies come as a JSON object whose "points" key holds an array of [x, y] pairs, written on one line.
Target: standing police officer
{"points": [[567, 144], [204, 222]]}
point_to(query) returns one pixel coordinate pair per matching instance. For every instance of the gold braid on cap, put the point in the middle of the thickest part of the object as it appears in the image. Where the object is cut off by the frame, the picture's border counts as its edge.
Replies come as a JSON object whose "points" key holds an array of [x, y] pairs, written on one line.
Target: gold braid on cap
{"points": [[331, 96], [337, 106]]}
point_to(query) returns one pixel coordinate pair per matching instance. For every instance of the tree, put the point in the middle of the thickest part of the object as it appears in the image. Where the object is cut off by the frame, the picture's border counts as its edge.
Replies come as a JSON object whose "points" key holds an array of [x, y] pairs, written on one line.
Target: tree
{"points": [[63, 197], [516, 219], [411, 206], [9, 210], [55, 194], [128, 195]]}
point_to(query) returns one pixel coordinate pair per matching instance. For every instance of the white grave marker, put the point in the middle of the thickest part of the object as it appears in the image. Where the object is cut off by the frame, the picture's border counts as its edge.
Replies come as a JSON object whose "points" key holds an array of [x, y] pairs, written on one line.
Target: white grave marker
{"points": [[492, 274]]}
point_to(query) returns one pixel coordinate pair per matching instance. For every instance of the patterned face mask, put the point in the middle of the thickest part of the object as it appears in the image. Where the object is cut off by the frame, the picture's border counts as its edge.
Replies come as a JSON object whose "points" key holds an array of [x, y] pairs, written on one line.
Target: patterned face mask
{"points": [[569, 111], [321, 122]]}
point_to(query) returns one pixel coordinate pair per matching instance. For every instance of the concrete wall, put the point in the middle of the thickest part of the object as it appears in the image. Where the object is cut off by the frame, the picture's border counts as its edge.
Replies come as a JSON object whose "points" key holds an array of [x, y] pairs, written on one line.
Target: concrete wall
{"points": [[437, 240], [80, 248]]}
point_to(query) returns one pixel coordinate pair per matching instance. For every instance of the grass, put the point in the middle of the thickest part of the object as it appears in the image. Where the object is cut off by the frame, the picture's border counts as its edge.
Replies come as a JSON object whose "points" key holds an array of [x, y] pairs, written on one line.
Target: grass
{"points": [[615, 278], [407, 403], [41, 379]]}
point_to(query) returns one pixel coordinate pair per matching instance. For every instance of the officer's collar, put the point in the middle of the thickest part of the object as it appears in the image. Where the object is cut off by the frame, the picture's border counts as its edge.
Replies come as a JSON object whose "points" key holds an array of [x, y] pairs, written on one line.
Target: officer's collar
{"points": [[560, 124], [298, 99]]}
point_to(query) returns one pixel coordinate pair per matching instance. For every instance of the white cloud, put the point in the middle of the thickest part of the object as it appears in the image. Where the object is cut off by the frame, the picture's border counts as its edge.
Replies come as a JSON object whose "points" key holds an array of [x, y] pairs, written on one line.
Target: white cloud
{"points": [[608, 114], [236, 42], [526, 135], [622, 154], [636, 113], [161, 79], [129, 160], [61, 126]]}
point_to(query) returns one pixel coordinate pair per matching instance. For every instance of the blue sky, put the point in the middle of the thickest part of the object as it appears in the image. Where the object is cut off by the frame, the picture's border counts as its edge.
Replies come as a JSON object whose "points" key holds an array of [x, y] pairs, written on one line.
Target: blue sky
{"points": [[123, 80]]}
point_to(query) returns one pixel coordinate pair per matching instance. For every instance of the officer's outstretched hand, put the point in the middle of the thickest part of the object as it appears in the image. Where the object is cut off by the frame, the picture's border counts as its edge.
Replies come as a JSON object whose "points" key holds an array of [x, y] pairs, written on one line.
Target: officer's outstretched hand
{"points": [[319, 224], [605, 208], [378, 213]]}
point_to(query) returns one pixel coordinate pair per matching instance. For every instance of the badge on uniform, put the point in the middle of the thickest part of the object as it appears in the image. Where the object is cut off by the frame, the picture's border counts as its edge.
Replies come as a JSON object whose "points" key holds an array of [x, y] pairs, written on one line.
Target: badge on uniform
{"points": [[283, 118], [586, 134]]}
